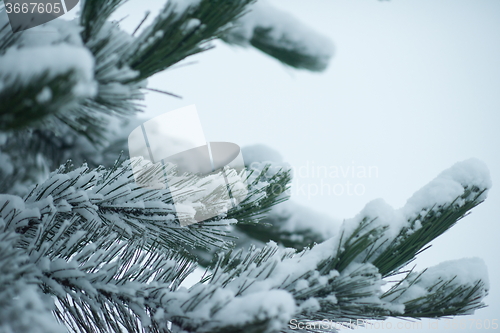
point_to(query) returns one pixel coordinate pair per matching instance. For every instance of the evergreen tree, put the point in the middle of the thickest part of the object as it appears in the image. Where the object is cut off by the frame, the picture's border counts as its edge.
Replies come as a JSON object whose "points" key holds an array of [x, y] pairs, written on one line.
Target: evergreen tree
{"points": [[85, 248]]}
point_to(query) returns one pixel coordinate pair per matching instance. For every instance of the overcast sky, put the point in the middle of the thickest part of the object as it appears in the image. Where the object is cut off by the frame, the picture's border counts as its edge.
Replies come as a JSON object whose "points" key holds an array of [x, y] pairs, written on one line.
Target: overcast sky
{"points": [[414, 87]]}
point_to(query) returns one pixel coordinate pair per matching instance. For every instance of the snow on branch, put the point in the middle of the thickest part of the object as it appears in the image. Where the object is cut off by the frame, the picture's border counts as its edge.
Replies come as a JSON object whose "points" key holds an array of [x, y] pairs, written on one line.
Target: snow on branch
{"points": [[282, 36], [460, 284], [339, 278], [294, 285], [42, 76], [390, 238]]}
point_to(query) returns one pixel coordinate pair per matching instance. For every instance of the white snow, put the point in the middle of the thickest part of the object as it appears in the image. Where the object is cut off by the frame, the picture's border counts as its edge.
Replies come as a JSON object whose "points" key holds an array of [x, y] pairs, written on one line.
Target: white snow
{"points": [[298, 218], [190, 25], [310, 305], [25, 64], [52, 33], [6, 166], [382, 214], [301, 284], [257, 158], [331, 299], [277, 305], [468, 271], [181, 6], [55, 48], [450, 184], [44, 96], [29, 312]]}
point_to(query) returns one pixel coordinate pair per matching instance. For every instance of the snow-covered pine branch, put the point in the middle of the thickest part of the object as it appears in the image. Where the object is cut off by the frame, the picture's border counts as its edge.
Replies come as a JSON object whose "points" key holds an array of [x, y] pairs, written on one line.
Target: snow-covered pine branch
{"points": [[460, 285], [339, 279], [95, 240], [428, 213], [281, 36]]}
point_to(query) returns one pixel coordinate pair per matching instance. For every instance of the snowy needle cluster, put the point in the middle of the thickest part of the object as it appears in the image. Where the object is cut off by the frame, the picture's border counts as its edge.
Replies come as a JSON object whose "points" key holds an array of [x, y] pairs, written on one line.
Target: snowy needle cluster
{"points": [[85, 249]]}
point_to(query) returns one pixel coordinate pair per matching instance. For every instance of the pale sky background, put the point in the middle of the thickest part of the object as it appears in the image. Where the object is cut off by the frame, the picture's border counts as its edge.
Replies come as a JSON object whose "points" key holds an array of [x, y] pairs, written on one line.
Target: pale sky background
{"points": [[414, 87]]}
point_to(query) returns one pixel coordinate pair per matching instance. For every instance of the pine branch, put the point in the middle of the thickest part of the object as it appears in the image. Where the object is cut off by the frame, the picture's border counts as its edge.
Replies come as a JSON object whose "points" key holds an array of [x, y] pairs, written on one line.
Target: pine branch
{"points": [[181, 30], [343, 283], [91, 260], [281, 36]]}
